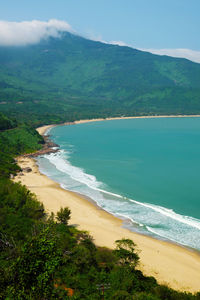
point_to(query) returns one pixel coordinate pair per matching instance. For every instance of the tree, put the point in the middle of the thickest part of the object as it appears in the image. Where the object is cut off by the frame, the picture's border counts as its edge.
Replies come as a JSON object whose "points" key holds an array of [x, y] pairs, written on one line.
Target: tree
{"points": [[126, 252], [63, 215], [105, 258], [34, 269]]}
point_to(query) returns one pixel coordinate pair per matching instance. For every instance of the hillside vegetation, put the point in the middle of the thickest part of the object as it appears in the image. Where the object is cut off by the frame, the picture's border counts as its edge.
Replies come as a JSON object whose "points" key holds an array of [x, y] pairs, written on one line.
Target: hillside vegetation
{"points": [[70, 78], [15, 139]]}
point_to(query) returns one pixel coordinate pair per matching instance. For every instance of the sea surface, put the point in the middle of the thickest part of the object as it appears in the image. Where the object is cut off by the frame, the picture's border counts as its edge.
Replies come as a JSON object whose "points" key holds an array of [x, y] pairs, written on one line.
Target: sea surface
{"points": [[145, 171]]}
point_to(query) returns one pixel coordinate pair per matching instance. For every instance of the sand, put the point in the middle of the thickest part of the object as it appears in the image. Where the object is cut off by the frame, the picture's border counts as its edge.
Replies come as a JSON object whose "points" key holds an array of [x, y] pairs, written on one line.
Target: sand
{"points": [[139, 117], [44, 128], [168, 263]]}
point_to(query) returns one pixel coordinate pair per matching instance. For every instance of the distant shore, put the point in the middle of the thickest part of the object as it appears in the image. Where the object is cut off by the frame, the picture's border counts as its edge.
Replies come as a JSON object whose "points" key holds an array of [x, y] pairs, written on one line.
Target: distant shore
{"points": [[43, 129], [136, 117], [167, 262]]}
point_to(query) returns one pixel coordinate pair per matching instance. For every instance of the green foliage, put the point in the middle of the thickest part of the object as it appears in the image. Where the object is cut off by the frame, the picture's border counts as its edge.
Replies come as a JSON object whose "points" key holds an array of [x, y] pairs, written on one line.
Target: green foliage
{"points": [[19, 210], [6, 123], [35, 266], [23, 139], [125, 251], [164, 292], [106, 258], [7, 165], [121, 295], [57, 259], [63, 215], [20, 140], [145, 296]]}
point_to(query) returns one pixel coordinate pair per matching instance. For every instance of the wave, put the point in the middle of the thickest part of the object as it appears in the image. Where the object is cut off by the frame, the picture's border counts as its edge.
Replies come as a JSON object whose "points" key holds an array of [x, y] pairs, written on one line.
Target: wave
{"points": [[162, 210], [152, 218], [62, 164], [155, 232], [126, 217], [109, 193], [47, 131], [171, 214], [166, 237]]}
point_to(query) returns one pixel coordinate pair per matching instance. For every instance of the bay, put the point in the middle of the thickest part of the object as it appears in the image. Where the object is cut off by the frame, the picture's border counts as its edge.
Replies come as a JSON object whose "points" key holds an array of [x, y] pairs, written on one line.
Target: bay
{"points": [[145, 171]]}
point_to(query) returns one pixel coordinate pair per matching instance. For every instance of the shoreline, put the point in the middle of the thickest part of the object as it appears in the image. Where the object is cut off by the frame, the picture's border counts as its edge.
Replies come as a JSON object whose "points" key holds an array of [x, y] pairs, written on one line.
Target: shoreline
{"points": [[168, 262], [135, 117], [42, 129]]}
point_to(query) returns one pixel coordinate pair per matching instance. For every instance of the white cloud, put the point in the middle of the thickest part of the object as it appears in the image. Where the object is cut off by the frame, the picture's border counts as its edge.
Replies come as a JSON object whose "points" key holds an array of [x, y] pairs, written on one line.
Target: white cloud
{"points": [[30, 32], [183, 53], [119, 43]]}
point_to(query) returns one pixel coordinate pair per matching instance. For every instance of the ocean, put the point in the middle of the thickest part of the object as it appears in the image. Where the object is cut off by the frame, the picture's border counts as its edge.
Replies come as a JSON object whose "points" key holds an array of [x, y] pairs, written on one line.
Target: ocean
{"points": [[145, 171]]}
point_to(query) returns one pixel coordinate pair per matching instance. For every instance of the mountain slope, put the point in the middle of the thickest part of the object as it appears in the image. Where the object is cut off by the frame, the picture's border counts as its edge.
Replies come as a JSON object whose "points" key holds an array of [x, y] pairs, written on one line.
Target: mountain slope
{"points": [[72, 77]]}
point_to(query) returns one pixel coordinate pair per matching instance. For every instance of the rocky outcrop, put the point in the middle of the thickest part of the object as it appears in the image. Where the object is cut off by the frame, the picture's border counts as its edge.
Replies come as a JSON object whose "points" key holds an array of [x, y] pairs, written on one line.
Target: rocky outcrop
{"points": [[48, 147]]}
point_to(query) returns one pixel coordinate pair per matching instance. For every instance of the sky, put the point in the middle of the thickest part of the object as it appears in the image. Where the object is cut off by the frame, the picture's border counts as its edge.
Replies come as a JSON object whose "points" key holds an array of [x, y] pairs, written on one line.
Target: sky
{"points": [[159, 26]]}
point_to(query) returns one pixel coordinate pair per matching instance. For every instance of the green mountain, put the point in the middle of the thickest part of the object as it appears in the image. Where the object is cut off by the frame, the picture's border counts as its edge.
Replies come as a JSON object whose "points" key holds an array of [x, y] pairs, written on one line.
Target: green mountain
{"points": [[71, 77]]}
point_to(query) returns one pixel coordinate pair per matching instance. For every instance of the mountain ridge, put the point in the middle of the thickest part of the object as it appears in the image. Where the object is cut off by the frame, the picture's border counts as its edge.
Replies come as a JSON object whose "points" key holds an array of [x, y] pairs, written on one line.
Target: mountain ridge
{"points": [[72, 77]]}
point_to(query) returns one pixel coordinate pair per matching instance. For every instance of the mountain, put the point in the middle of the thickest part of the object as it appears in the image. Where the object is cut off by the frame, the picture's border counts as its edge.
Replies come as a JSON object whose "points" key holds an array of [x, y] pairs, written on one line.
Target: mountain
{"points": [[72, 77]]}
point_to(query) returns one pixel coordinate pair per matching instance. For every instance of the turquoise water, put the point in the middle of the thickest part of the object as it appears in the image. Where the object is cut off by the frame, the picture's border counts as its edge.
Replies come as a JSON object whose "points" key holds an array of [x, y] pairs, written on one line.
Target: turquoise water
{"points": [[145, 171]]}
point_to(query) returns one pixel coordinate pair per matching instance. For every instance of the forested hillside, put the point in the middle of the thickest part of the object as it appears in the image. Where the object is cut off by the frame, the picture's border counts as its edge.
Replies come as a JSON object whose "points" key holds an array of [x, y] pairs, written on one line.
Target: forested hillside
{"points": [[71, 77]]}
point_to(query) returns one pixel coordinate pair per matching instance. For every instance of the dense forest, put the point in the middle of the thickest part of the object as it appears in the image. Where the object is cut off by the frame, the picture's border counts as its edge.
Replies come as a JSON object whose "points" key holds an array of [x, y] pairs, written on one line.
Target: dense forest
{"points": [[71, 78], [43, 257]]}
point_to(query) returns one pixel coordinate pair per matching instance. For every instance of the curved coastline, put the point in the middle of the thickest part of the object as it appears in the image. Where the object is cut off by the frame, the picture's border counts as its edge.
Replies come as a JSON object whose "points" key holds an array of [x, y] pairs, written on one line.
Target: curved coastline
{"points": [[44, 129], [167, 262]]}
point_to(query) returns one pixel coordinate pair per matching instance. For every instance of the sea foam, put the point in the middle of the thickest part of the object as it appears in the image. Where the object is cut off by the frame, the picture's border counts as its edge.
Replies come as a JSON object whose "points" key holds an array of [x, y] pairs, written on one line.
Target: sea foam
{"points": [[152, 219], [59, 160]]}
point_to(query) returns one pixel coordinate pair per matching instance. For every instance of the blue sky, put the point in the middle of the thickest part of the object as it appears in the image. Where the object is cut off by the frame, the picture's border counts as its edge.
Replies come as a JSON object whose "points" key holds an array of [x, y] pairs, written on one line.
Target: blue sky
{"points": [[143, 24]]}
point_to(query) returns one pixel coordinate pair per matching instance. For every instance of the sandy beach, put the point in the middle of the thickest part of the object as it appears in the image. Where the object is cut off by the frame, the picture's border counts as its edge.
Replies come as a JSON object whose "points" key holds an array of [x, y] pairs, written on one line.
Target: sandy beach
{"points": [[139, 117], [168, 263], [44, 128]]}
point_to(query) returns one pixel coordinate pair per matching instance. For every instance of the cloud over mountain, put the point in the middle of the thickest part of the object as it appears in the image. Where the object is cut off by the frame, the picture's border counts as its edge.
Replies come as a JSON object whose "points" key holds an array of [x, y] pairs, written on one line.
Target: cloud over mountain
{"points": [[183, 53], [30, 32]]}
